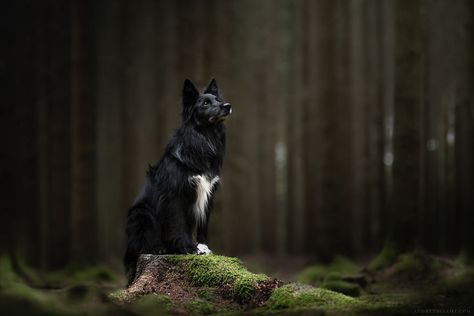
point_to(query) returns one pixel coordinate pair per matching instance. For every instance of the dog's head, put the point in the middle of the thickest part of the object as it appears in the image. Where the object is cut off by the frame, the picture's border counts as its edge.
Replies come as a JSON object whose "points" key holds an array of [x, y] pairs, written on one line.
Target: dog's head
{"points": [[206, 108]]}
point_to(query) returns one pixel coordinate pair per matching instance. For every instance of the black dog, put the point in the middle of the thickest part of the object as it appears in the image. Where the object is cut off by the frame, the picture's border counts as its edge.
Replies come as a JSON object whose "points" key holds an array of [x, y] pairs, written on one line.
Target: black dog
{"points": [[171, 213]]}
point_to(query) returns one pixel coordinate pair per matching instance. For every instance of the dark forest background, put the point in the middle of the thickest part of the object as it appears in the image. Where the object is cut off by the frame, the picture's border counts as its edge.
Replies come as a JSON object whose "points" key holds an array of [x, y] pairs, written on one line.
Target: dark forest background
{"points": [[352, 129]]}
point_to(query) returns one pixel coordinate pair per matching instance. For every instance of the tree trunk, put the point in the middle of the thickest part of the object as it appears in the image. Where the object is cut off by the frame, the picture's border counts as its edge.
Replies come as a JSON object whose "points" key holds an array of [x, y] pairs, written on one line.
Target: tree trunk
{"points": [[406, 141]]}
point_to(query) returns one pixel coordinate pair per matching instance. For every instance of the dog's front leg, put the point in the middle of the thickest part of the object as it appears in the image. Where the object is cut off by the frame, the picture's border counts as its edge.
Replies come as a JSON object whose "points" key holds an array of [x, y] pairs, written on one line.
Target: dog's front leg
{"points": [[183, 242], [201, 237], [185, 246], [179, 229]]}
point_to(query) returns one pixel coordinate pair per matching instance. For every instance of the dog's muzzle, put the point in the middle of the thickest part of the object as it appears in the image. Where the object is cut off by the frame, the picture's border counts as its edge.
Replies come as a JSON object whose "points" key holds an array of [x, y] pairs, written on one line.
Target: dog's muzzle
{"points": [[227, 108], [225, 111]]}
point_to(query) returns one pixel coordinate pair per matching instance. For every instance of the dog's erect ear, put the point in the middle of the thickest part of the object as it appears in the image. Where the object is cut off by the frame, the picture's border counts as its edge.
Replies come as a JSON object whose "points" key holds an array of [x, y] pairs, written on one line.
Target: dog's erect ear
{"points": [[190, 93], [212, 88]]}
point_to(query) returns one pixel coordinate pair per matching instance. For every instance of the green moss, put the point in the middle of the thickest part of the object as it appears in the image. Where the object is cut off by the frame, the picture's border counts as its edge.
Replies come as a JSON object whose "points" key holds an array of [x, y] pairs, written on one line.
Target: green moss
{"points": [[17, 298], [213, 270], [300, 299], [200, 307], [333, 281], [207, 294], [386, 257], [390, 303], [461, 281], [81, 274], [343, 287], [333, 276], [317, 273], [152, 304], [465, 258], [120, 296], [343, 265], [7, 276], [313, 275], [95, 273], [294, 295], [409, 264]]}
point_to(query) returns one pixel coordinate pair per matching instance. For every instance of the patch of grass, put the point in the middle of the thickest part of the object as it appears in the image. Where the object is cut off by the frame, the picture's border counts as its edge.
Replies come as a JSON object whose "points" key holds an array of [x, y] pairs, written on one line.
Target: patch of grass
{"points": [[295, 295], [199, 307], [214, 270]]}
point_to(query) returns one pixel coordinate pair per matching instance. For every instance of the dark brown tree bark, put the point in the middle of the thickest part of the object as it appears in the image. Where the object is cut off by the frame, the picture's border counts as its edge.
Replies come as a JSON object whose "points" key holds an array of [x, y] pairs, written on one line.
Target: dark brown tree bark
{"points": [[111, 207], [359, 124], [295, 144], [464, 113], [58, 131], [316, 47], [83, 225], [19, 127], [406, 140]]}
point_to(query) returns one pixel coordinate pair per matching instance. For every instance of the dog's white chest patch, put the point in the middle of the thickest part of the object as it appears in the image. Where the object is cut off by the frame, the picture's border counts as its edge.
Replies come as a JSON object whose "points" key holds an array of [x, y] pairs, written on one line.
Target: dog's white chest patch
{"points": [[204, 187]]}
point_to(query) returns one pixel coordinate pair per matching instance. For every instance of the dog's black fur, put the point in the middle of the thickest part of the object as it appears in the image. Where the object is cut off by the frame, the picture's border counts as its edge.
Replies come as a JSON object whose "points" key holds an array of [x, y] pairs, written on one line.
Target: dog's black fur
{"points": [[162, 218]]}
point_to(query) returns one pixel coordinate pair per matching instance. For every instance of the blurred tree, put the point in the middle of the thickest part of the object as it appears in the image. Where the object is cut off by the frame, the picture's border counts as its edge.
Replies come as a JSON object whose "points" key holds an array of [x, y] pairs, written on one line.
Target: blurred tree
{"points": [[318, 88], [406, 139]]}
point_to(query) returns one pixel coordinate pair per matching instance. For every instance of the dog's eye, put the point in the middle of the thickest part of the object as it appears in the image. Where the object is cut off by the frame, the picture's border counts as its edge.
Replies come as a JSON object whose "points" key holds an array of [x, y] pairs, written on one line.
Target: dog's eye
{"points": [[206, 102]]}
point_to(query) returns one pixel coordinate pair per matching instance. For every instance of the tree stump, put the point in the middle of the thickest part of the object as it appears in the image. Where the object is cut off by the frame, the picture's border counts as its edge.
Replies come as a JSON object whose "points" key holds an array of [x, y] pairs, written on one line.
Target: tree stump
{"points": [[186, 278]]}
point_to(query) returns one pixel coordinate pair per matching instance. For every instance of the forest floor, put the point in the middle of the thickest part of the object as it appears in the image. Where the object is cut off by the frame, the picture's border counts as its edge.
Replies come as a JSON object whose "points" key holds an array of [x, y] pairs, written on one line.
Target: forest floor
{"points": [[390, 284]]}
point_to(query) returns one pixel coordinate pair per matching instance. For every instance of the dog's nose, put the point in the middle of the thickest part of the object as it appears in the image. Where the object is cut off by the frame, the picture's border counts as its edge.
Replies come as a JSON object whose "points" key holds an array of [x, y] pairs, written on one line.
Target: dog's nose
{"points": [[226, 105]]}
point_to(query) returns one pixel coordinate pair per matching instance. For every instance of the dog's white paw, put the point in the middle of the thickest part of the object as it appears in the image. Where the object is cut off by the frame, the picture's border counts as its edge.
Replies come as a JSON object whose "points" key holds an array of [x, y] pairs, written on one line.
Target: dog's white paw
{"points": [[203, 249]]}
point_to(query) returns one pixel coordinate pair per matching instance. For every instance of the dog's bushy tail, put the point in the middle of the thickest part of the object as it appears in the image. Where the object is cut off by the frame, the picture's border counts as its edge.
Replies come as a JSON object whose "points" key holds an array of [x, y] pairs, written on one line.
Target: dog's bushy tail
{"points": [[140, 236]]}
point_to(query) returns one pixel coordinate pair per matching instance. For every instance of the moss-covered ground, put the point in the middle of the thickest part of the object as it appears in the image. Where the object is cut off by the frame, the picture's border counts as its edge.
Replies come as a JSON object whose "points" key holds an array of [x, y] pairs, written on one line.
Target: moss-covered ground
{"points": [[409, 283]]}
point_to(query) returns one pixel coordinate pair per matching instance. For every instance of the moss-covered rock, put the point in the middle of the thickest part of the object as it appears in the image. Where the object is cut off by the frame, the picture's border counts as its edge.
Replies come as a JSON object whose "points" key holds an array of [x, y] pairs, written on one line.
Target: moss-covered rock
{"points": [[416, 267], [214, 270], [333, 276], [410, 264], [295, 295], [386, 257], [334, 281], [343, 287], [316, 274]]}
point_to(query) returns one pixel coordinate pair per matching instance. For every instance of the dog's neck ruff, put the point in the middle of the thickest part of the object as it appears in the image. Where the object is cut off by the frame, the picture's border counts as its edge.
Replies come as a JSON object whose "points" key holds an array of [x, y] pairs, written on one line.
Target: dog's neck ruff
{"points": [[204, 187]]}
